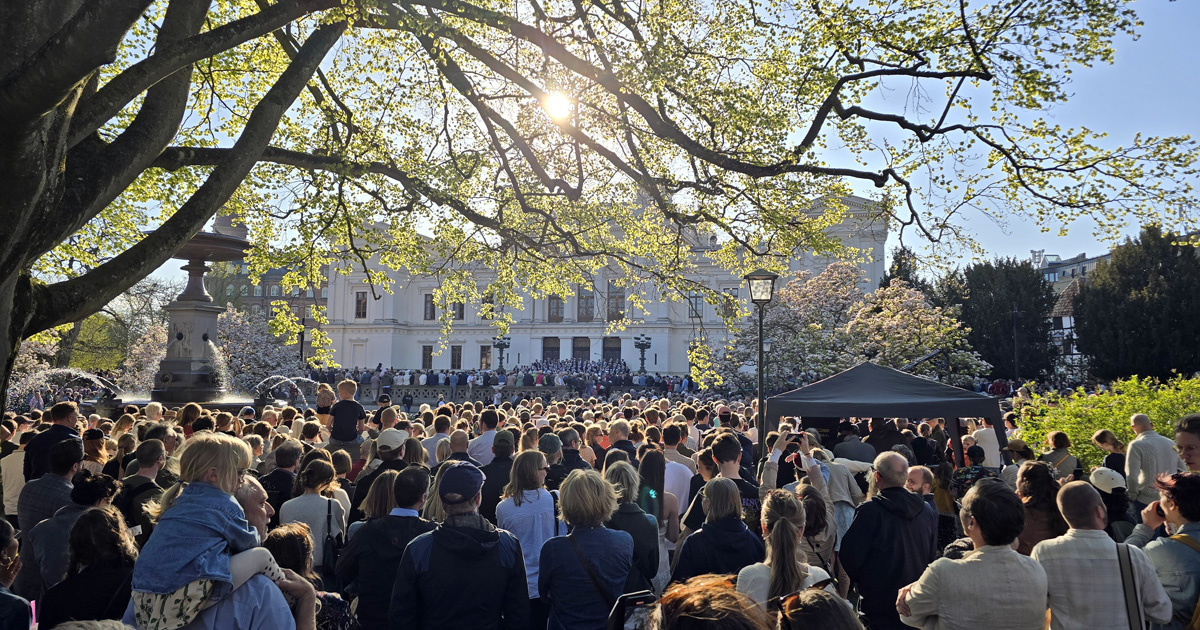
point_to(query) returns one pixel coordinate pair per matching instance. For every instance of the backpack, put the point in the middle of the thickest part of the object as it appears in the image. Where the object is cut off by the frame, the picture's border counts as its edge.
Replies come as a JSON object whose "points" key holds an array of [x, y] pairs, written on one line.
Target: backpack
{"points": [[126, 505]]}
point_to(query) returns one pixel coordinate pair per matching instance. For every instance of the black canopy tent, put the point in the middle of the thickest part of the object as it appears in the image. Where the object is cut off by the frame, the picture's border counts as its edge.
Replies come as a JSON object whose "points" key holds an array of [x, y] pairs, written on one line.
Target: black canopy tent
{"points": [[868, 390]]}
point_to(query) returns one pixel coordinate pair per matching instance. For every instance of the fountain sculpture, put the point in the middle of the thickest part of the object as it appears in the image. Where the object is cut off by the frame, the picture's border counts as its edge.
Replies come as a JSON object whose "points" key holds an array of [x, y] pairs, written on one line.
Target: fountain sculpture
{"points": [[191, 372]]}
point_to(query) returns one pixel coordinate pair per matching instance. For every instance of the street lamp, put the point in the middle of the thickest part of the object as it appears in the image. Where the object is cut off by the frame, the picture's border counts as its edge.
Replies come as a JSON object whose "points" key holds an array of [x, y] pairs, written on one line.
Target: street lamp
{"points": [[762, 290], [767, 363], [501, 344], [642, 343]]}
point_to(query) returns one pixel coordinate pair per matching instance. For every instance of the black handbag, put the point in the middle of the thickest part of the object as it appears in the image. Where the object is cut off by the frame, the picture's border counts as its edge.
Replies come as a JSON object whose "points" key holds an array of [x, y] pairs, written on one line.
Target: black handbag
{"points": [[330, 550]]}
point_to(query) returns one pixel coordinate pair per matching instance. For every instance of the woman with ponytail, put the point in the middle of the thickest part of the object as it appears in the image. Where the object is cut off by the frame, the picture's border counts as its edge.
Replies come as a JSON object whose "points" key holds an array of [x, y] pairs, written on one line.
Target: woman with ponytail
{"points": [[315, 509], [784, 571]]}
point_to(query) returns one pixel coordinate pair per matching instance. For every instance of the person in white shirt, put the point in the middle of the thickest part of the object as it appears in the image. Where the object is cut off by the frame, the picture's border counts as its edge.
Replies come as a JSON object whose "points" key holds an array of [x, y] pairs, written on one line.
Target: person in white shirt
{"points": [[481, 447], [1146, 457], [986, 438], [1084, 575], [784, 572], [966, 593], [441, 425], [13, 477]]}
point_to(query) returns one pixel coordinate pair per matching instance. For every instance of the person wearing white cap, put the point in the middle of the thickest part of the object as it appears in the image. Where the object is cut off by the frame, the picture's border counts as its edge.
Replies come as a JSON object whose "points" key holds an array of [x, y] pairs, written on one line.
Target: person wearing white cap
{"points": [[1084, 571], [1111, 485], [390, 445]]}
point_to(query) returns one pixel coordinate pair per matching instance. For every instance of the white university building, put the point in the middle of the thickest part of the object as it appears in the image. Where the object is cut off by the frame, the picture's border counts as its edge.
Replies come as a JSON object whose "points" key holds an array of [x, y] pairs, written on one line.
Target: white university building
{"points": [[402, 329]]}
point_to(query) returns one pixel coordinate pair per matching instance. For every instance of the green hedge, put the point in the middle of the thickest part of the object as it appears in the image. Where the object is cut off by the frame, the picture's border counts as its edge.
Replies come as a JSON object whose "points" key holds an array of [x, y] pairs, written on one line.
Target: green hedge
{"points": [[1081, 415]]}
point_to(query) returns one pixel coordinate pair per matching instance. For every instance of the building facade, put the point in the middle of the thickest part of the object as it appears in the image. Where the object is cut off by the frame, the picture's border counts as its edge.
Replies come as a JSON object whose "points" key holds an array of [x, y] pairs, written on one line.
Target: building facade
{"points": [[402, 330]]}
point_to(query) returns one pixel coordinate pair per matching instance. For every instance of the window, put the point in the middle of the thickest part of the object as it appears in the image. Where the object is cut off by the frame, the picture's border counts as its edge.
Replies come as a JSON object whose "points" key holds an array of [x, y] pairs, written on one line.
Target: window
{"points": [[360, 305], [587, 305], [244, 290], [612, 348], [554, 309], [487, 308], [426, 357], [695, 301], [430, 309], [324, 292], [455, 357], [255, 308], [274, 290], [485, 357], [310, 292], [581, 348], [258, 290], [229, 289], [550, 349], [615, 302], [457, 310], [730, 309], [1058, 323], [1083, 270]]}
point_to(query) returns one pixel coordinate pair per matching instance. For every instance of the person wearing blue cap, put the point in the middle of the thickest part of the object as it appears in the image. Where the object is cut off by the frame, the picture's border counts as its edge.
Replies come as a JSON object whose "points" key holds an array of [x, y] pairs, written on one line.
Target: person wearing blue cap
{"points": [[464, 574]]}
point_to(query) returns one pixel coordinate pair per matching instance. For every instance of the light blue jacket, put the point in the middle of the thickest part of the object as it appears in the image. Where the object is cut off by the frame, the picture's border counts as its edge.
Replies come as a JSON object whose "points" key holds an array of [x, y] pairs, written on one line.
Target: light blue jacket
{"points": [[193, 541], [1178, 567]]}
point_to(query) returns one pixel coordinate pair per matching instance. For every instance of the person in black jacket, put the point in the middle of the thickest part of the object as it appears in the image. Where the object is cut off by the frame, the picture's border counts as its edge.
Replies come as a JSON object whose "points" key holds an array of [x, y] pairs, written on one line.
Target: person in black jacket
{"points": [[634, 521], [618, 438], [889, 544], [497, 473], [371, 557], [278, 483], [390, 446], [464, 574], [571, 459], [723, 545]]}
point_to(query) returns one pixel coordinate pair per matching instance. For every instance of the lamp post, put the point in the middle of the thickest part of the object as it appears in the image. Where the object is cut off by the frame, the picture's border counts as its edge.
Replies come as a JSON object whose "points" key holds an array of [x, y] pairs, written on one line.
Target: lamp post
{"points": [[501, 344], [767, 364], [642, 343], [762, 290]]}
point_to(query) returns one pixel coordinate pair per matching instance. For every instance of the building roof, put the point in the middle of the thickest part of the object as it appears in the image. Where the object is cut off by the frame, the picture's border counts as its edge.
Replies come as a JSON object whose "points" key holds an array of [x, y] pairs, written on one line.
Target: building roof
{"points": [[1065, 305]]}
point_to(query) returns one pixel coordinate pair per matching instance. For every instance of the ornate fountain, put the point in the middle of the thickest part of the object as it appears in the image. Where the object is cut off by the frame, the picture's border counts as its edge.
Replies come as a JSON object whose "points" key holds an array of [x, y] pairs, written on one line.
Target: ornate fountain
{"points": [[191, 370]]}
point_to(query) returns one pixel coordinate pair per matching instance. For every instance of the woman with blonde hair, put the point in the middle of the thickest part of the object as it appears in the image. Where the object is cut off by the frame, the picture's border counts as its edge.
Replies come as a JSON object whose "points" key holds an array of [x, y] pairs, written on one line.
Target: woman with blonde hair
{"points": [[643, 527], [434, 510], [583, 573], [723, 544], [530, 512], [1114, 448], [95, 451], [414, 452], [379, 502], [202, 548], [126, 445], [124, 425], [784, 571], [443, 450]]}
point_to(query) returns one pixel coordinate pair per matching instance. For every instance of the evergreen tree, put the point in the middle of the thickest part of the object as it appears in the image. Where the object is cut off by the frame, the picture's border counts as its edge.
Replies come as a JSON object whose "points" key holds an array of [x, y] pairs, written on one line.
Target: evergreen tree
{"points": [[904, 267], [1136, 315], [990, 292]]}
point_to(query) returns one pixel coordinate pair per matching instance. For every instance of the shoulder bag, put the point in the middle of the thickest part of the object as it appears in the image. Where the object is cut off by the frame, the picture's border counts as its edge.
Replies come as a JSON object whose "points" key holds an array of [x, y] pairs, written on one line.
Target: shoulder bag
{"points": [[596, 583], [1133, 607], [330, 550]]}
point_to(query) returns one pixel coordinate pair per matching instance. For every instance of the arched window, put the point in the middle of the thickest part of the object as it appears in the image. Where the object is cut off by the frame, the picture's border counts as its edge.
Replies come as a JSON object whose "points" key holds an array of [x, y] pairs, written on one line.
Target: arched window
{"points": [[245, 290], [229, 289], [258, 290], [274, 290]]}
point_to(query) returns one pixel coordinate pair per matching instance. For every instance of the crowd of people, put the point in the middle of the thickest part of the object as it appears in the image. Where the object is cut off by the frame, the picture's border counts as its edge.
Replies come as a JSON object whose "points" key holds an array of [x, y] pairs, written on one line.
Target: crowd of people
{"points": [[658, 513], [582, 377]]}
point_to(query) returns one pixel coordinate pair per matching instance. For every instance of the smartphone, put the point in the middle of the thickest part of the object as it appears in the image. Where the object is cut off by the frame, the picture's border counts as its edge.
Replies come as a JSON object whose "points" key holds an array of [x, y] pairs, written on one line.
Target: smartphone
{"points": [[1158, 510], [633, 611]]}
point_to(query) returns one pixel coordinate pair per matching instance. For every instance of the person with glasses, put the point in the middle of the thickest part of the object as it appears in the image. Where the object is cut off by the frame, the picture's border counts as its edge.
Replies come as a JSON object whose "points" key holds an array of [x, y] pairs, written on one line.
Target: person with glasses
{"points": [[1176, 559], [1187, 441], [529, 511], [964, 593]]}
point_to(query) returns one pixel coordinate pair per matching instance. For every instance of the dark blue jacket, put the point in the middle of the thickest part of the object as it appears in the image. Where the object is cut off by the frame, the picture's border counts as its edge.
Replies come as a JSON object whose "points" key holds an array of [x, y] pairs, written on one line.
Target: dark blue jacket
{"points": [[370, 560], [724, 546], [565, 586], [889, 544], [464, 574], [37, 452]]}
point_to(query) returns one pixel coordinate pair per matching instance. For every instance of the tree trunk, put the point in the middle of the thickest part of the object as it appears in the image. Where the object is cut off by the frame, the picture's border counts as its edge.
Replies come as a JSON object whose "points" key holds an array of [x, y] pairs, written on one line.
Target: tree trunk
{"points": [[66, 346], [14, 314]]}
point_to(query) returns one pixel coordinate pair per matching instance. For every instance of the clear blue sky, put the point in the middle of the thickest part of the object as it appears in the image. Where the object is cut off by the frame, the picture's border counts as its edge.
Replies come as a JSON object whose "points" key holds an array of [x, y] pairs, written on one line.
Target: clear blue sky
{"points": [[1152, 87]]}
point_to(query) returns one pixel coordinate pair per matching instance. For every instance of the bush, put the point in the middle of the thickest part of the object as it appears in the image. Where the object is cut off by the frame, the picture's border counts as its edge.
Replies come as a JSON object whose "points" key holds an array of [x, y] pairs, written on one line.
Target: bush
{"points": [[1081, 415]]}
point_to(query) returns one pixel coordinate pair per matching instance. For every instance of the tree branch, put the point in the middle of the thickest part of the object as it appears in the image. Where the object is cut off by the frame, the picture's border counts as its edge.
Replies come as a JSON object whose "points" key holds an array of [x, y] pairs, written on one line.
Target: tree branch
{"points": [[94, 111], [87, 41], [70, 300]]}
